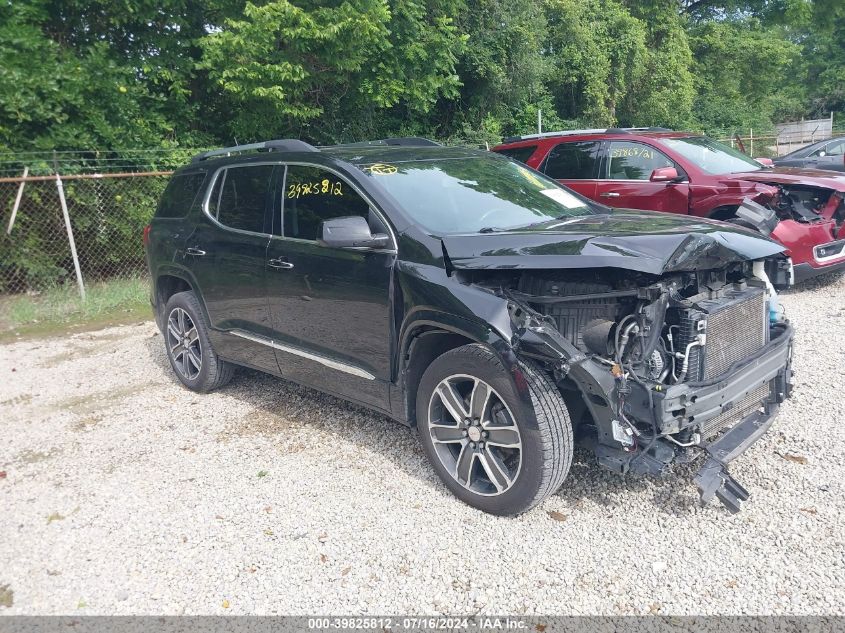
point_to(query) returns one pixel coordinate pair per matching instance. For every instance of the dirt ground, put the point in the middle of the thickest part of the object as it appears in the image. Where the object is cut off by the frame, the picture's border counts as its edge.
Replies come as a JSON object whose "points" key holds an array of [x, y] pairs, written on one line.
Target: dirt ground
{"points": [[122, 492]]}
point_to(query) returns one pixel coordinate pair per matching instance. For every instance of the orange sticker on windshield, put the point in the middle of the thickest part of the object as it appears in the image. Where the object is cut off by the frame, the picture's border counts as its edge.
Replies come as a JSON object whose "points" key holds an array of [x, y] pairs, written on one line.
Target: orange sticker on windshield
{"points": [[380, 169]]}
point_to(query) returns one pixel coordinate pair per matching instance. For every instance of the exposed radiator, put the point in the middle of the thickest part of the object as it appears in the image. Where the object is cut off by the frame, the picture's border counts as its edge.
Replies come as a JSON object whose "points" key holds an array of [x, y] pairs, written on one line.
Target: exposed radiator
{"points": [[736, 326]]}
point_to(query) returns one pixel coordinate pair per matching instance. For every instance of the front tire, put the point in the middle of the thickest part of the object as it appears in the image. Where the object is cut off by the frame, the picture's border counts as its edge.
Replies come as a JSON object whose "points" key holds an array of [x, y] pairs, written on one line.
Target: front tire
{"points": [[188, 346], [493, 449]]}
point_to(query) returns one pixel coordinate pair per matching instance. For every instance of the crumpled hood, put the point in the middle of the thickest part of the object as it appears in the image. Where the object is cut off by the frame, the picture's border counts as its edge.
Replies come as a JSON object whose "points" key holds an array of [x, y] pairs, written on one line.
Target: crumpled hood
{"points": [[795, 176], [643, 241]]}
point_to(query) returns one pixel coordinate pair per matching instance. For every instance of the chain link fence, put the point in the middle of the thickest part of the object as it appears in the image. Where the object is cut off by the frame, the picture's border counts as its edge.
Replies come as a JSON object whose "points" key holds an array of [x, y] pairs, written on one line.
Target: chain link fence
{"points": [[104, 219], [110, 196]]}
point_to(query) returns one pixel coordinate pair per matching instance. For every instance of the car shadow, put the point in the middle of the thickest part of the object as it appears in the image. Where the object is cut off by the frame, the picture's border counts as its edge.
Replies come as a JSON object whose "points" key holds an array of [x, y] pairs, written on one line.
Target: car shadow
{"points": [[290, 415], [673, 493]]}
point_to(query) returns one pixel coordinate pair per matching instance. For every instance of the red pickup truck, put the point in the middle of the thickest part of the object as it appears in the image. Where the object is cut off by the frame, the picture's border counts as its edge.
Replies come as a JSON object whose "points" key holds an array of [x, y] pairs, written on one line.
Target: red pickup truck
{"points": [[681, 172]]}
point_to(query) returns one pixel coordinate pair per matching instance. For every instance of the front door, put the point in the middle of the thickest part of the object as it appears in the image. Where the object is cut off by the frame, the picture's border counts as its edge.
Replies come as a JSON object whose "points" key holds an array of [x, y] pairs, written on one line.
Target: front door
{"points": [[226, 254], [330, 307], [625, 180]]}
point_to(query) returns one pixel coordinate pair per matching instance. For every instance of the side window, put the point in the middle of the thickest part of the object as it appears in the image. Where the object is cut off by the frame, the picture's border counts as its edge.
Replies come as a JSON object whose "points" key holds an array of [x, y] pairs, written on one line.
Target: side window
{"points": [[312, 195], [179, 196], [521, 154], [836, 149], [634, 161], [572, 161], [239, 197]]}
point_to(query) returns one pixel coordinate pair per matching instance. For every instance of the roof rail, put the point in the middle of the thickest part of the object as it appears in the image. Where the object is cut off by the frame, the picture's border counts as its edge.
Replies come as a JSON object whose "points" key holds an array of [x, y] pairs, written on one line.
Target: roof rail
{"points": [[399, 141], [610, 130], [622, 130], [279, 145]]}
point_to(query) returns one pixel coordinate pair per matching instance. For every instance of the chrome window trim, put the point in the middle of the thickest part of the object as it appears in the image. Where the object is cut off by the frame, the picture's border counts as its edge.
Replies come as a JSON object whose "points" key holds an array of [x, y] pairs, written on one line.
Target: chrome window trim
{"points": [[327, 362], [393, 249], [207, 197]]}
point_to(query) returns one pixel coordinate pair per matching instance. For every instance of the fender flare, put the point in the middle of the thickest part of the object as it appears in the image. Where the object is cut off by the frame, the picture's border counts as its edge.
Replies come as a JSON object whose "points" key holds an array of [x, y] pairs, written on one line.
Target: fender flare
{"points": [[185, 274]]}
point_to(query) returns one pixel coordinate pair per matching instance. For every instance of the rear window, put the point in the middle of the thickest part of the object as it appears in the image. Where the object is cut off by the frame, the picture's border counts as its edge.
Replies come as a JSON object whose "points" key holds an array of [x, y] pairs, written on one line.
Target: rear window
{"points": [[572, 161], [521, 154], [240, 196], [180, 194]]}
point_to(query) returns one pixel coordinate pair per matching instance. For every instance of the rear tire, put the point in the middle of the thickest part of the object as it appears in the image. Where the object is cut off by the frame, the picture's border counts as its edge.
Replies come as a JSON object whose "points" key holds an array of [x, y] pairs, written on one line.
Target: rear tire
{"points": [[492, 449], [188, 346]]}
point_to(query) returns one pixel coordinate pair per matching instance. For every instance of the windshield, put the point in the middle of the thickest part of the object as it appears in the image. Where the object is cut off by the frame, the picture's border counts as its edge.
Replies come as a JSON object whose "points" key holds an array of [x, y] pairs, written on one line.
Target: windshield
{"points": [[711, 156], [477, 194]]}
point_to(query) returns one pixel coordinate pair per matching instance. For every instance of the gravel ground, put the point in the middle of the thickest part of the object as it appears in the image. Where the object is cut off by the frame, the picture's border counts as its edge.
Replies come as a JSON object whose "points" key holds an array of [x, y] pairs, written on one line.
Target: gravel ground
{"points": [[126, 494]]}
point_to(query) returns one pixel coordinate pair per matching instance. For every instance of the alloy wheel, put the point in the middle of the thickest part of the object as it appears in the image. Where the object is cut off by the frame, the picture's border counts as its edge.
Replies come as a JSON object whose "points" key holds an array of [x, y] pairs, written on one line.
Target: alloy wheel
{"points": [[183, 343], [475, 435]]}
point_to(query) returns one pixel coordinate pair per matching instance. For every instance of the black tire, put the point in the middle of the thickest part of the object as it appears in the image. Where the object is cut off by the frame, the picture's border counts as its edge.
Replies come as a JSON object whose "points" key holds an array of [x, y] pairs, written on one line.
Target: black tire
{"points": [[213, 372], [545, 430]]}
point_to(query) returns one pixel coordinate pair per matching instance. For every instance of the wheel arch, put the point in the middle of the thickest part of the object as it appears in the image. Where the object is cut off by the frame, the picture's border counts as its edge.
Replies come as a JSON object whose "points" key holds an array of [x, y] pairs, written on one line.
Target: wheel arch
{"points": [[426, 340], [724, 212], [167, 283]]}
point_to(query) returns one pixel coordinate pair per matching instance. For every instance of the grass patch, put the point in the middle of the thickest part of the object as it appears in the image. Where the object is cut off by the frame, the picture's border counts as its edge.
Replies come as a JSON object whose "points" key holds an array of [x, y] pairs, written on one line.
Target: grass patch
{"points": [[60, 309]]}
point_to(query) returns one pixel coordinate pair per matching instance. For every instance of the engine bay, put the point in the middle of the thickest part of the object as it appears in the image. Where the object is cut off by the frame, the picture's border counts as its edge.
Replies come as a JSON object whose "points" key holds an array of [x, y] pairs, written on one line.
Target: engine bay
{"points": [[650, 343], [654, 328], [808, 204]]}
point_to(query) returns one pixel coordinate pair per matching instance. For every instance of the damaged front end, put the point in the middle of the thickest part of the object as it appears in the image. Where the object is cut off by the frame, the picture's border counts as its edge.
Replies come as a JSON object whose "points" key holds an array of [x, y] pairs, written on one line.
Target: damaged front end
{"points": [[809, 219], [656, 367]]}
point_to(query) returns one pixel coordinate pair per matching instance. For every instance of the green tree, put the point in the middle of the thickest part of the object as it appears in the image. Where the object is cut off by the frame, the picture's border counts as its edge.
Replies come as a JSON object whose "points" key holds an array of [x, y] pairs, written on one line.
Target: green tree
{"points": [[664, 96], [824, 58], [598, 53], [301, 68], [502, 70], [110, 74], [741, 72]]}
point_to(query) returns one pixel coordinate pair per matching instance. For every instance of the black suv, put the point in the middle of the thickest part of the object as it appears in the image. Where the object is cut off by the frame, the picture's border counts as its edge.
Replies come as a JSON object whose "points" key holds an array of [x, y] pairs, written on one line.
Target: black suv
{"points": [[472, 297]]}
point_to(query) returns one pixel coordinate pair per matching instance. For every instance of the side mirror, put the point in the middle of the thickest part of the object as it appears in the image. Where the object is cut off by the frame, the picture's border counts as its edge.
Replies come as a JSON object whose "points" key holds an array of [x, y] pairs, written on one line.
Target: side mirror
{"points": [[351, 232], [822, 153], [664, 174], [766, 162]]}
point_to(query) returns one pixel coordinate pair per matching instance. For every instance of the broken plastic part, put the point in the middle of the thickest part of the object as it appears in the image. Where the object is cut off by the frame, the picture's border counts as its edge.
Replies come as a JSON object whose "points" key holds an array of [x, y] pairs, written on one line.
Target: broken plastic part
{"points": [[762, 218]]}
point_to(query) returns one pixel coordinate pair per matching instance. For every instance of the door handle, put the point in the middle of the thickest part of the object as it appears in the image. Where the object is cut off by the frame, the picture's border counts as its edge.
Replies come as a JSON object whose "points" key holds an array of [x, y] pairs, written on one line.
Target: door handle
{"points": [[195, 251], [610, 194], [278, 263]]}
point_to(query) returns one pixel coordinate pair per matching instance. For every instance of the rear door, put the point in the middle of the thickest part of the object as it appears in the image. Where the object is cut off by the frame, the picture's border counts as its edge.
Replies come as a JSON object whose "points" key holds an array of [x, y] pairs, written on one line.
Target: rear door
{"points": [[330, 307], [574, 164], [625, 183], [225, 254]]}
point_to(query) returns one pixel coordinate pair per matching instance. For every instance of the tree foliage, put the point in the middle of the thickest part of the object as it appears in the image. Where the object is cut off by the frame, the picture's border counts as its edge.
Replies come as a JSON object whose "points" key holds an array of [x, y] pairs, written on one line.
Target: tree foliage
{"points": [[291, 66], [122, 74]]}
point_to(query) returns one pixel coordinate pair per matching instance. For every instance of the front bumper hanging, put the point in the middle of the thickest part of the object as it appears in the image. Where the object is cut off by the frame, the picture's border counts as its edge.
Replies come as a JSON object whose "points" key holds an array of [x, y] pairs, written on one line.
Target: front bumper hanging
{"points": [[770, 366], [713, 479]]}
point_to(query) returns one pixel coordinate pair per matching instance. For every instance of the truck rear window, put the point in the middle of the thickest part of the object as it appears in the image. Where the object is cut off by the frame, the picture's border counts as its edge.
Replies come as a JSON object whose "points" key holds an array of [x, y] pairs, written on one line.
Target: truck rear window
{"points": [[180, 194]]}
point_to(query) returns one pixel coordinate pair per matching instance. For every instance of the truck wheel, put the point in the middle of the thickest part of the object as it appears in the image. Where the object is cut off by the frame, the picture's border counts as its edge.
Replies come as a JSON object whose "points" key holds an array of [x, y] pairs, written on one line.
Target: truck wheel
{"points": [[189, 349], [493, 449]]}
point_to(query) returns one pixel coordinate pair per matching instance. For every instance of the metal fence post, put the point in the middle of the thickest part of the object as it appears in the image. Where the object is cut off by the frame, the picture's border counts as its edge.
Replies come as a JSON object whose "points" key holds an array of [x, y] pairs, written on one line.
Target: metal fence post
{"points": [[17, 201], [70, 239]]}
